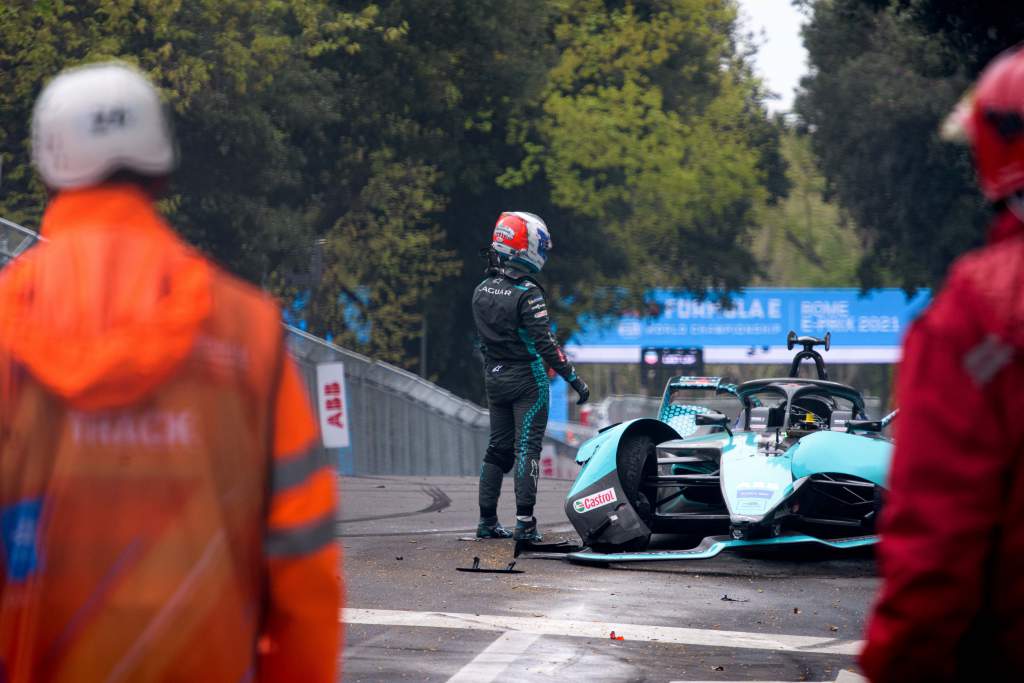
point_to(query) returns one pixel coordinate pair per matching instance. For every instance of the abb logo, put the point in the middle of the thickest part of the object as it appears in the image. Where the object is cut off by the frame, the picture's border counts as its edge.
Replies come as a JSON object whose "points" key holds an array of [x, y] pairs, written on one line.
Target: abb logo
{"points": [[334, 405]]}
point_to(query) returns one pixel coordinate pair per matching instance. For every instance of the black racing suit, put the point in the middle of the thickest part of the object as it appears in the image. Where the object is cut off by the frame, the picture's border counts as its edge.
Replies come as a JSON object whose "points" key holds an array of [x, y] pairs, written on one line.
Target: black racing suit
{"points": [[515, 336]]}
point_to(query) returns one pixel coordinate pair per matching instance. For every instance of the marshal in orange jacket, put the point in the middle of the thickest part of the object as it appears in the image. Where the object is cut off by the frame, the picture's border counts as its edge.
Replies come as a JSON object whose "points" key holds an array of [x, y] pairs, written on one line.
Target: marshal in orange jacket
{"points": [[164, 515]]}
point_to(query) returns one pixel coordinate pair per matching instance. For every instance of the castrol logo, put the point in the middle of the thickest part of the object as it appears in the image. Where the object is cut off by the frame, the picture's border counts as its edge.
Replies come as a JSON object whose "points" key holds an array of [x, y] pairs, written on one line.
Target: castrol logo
{"points": [[599, 499]]}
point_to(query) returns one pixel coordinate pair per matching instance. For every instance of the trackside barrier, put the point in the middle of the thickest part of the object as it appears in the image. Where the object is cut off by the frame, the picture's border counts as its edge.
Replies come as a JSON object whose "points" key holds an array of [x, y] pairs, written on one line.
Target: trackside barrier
{"points": [[404, 425], [401, 424]]}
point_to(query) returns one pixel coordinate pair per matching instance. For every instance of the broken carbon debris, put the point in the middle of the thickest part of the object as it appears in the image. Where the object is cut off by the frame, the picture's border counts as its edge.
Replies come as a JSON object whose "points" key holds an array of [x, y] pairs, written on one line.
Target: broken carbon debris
{"points": [[510, 569], [555, 547], [726, 598]]}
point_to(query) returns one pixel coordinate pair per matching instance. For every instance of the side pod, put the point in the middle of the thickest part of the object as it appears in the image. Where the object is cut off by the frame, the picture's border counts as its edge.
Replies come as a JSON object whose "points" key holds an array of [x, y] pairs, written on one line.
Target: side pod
{"points": [[842, 453], [597, 504]]}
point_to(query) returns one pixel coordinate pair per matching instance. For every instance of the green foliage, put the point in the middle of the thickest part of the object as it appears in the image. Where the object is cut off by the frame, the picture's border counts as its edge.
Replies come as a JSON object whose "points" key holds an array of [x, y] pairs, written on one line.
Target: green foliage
{"points": [[386, 246], [244, 89], [884, 75], [354, 148], [438, 97], [804, 240], [643, 133]]}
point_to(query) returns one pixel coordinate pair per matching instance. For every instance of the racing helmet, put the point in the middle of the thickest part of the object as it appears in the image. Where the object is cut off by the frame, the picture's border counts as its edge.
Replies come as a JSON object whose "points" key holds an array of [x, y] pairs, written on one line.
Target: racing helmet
{"points": [[94, 120], [991, 119], [522, 239]]}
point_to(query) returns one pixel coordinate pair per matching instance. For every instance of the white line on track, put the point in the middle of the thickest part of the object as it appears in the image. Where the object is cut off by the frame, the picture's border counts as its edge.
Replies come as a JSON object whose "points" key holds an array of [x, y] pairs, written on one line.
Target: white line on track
{"points": [[845, 676], [495, 658], [601, 629]]}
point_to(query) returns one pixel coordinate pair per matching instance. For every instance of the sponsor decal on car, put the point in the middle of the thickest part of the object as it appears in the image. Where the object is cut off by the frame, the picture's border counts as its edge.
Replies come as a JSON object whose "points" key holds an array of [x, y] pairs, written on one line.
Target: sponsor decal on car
{"points": [[753, 497], [592, 502], [752, 507], [695, 382], [770, 485]]}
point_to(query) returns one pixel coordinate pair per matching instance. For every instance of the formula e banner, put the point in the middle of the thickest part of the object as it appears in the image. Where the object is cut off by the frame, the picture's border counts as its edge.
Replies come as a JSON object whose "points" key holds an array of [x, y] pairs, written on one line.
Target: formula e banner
{"points": [[865, 329]]}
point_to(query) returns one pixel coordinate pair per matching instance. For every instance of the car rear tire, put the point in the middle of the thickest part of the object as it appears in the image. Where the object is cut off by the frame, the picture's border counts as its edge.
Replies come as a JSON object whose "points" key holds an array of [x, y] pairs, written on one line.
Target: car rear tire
{"points": [[636, 461]]}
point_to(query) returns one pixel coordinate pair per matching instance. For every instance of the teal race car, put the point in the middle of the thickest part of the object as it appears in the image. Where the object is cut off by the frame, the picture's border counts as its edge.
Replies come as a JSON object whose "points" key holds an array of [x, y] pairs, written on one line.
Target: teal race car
{"points": [[765, 462]]}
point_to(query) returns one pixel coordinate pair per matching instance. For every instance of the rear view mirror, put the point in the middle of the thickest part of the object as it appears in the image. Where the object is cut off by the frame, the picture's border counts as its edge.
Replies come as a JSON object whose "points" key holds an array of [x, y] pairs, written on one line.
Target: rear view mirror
{"points": [[839, 420], [713, 419], [864, 425], [763, 417]]}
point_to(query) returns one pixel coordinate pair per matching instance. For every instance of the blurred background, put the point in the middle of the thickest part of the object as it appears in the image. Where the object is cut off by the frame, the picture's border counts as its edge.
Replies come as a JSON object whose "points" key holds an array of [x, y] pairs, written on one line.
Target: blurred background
{"points": [[714, 173]]}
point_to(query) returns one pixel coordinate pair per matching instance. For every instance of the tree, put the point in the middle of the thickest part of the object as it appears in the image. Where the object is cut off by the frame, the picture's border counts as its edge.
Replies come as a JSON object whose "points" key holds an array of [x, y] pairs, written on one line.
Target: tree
{"points": [[884, 75], [371, 137], [437, 99], [644, 132], [604, 251], [384, 294], [803, 240], [249, 102]]}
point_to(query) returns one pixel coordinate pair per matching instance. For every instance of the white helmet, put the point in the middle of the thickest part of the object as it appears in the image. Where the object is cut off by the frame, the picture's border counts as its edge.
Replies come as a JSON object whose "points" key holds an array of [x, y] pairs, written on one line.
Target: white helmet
{"points": [[93, 120], [522, 238]]}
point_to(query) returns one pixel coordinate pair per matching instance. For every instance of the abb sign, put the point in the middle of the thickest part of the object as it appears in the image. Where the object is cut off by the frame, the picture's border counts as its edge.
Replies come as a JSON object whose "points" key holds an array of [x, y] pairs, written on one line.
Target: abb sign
{"points": [[333, 405]]}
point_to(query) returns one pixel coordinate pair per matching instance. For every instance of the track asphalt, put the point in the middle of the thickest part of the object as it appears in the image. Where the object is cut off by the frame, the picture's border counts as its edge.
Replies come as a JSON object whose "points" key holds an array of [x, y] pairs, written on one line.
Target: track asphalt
{"points": [[794, 615]]}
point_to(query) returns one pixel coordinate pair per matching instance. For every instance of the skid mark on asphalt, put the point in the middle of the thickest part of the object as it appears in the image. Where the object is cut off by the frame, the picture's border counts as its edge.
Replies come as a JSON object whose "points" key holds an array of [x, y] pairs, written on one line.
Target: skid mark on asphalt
{"points": [[601, 629], [439, 500]]}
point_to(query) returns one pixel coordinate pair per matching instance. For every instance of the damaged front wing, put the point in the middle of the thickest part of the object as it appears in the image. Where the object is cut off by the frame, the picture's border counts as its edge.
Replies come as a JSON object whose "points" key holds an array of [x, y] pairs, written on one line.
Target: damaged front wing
{"points": [[713, 545]]}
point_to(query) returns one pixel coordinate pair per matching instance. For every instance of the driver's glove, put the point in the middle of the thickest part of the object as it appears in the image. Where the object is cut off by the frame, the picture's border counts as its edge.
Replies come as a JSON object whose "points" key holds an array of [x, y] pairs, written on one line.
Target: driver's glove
{"points": [[582, 389]]}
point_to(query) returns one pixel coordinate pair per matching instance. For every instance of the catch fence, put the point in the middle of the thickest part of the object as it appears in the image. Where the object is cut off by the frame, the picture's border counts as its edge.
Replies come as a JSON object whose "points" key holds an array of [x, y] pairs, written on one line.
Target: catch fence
{"points": [[14, 239]]}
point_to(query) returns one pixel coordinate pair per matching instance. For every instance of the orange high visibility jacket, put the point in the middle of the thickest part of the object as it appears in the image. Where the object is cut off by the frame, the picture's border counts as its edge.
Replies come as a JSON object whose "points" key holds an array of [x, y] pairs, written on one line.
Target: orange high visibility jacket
{"points": [[163, 513]]}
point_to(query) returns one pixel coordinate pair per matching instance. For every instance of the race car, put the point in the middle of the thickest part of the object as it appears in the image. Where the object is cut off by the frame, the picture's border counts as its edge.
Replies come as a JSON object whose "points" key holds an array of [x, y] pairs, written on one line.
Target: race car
{"points": [[765, 462]]}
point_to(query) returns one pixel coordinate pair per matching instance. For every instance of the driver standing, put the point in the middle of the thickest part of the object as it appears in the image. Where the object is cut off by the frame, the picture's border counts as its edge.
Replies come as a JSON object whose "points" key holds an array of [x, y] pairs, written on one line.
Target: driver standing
{"points": [[512, 322]]}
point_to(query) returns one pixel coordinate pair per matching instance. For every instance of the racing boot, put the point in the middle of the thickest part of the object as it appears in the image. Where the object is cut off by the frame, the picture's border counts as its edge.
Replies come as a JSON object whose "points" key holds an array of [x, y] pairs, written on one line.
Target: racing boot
{"points": [[491, 528], [526, 530]]}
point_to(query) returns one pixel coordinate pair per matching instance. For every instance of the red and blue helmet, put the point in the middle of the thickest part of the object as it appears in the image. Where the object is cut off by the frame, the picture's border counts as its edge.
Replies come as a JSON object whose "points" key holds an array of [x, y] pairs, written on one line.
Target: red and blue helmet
{"points": [[523, 239]]}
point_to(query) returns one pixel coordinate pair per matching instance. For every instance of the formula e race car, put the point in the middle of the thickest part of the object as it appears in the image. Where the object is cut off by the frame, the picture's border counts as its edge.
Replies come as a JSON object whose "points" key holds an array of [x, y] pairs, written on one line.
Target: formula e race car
{"points": [[765, 462]]}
